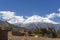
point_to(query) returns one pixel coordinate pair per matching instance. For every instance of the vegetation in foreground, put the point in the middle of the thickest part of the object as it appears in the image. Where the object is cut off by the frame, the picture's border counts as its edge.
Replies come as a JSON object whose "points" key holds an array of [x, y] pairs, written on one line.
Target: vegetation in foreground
{"points": [[39, 32], [45, 32]]}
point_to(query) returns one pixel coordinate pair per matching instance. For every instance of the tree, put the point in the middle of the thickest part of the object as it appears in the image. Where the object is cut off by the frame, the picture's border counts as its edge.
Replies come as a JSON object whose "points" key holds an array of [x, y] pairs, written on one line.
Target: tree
{"points": [[40, 31], [8, 28], [51, 32]]}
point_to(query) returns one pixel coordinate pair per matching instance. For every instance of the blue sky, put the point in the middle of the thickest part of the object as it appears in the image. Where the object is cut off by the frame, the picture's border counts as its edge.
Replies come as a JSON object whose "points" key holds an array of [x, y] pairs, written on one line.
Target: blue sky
{"points": [[31, 7]]}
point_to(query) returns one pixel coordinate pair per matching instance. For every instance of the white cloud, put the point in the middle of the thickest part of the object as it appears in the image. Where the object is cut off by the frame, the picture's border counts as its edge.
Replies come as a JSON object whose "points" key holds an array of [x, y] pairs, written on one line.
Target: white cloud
{"points": [[52, 15], [16, 19], [33, 18], [12, 18], [59, 9], [6, 14], [36, 18]]}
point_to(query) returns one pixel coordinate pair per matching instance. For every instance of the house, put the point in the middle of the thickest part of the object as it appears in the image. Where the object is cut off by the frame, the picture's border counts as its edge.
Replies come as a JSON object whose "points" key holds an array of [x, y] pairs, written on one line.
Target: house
{"points": [[8, 35], [24, 32], [21, 32], [5, 34]]}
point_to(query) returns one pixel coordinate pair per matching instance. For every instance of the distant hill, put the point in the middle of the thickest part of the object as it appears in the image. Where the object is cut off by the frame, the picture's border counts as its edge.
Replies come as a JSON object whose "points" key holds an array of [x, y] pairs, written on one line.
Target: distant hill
{"points": [[5, 25], [28, 26], [33, 25]]}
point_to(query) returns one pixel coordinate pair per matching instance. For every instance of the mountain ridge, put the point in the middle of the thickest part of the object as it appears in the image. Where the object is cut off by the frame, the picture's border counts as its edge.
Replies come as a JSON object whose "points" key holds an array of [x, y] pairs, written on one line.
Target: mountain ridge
{"points": [[29, 26]]}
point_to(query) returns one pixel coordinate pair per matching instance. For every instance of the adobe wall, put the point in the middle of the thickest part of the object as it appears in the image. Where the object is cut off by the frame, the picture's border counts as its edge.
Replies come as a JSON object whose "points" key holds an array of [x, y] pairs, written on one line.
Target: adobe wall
{"points": [[3, 35], [10, 35]]}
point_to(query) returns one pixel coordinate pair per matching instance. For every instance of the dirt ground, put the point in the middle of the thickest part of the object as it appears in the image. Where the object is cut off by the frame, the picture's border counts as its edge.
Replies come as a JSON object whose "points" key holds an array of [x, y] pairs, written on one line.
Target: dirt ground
{"points": [[32, 38]]}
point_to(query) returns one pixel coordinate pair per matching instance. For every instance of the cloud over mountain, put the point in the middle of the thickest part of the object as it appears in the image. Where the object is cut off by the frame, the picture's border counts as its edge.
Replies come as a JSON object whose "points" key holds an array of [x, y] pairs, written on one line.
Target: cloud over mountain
{"points": [[16, 19], [37, 18], [6, 15], [12, 18], [53, 15]]}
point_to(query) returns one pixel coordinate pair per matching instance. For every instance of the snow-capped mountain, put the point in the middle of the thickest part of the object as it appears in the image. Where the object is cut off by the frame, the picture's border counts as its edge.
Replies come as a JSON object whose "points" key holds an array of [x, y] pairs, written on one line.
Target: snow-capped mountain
{"points": [[33, 25]]}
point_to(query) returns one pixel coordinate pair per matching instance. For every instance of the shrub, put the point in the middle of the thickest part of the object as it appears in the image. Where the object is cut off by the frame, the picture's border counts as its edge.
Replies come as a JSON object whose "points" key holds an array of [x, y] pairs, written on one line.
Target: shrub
{"points": [[51, 32]]}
